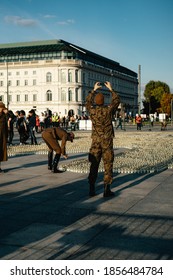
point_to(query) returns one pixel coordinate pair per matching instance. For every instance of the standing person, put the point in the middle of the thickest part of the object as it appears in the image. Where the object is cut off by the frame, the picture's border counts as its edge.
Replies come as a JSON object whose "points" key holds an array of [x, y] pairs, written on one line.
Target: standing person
{"points": [[3, 134], [22, 128], [51, 137], [102, 136], [152, 120], [119, 123], [37, 126], [17, 115], [66, 122], [11, 120], [55, 120], [42, 117], [138, 122], [63, 121], [47, 120], [31, 125]]}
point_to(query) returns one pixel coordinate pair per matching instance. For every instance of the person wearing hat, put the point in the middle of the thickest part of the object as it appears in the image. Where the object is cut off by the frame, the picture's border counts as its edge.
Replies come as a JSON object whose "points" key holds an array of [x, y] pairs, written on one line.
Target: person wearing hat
{"points": [[102, 136], [51, 136], [3, 133]]}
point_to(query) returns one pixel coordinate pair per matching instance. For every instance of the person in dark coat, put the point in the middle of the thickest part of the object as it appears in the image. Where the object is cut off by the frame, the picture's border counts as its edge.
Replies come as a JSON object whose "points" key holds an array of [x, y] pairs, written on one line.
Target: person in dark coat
{"points": [[22, 127], [3, 133], [11, 120], [102, 136], [31, 125], [119, 123], [51, 136]]}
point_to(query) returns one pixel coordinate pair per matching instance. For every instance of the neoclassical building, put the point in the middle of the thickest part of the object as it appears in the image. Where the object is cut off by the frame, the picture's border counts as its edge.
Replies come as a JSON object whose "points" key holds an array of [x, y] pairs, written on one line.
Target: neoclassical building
{"points": [[57, 75]]}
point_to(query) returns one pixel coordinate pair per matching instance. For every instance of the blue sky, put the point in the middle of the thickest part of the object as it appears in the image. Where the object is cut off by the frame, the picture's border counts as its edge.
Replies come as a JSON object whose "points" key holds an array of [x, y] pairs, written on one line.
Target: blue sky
{"points": [[131, 32]]}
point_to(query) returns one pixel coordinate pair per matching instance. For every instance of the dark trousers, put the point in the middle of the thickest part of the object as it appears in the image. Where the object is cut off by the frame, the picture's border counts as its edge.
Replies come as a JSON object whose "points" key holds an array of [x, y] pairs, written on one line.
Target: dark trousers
{"points": [[10, 136], [139, 126], [32, 135]]}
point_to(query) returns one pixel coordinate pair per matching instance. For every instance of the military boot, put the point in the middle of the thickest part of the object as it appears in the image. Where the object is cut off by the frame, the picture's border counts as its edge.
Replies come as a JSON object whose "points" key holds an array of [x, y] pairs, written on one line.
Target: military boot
{"points": [[55, 164], [50, 157], [107, 191]]}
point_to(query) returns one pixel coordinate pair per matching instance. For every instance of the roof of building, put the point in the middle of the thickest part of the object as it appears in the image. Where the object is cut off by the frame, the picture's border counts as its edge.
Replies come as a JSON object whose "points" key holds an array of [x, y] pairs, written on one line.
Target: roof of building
{"points": [[33, 47], [61, 45]]}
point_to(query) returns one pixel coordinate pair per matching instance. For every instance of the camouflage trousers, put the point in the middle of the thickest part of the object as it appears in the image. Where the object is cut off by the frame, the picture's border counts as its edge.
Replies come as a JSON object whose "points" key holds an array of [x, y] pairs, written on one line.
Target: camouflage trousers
{"points": [[101, 149]]}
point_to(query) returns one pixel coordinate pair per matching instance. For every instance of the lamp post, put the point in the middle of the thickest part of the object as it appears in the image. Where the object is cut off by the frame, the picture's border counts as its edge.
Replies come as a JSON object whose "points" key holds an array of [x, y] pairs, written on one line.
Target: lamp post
{"points": [[7, 85], [149, 109]]}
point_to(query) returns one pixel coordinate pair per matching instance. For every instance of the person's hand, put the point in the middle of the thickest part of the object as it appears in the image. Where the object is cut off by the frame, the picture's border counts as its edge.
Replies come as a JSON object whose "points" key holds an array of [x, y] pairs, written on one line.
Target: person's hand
{"points": [[97, 86], [108, 85], [65, 156]]}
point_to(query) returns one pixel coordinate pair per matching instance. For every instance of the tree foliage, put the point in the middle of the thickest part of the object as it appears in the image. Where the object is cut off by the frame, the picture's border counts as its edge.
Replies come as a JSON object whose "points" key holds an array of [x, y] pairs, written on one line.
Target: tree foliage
{"points": [[166, 103], [155, 92]]}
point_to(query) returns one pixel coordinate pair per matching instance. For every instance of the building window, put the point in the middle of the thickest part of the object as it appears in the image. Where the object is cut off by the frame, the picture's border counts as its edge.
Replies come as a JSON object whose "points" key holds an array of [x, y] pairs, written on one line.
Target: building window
{"points": [[63, 77], [18, 98], [34, 82], [17, 73], [83, 77], [26, 72], [70, 95], [34, 97], [48, 95], [1, 83], [83, 96], [34, 72], [77, 95], [63, 95], [26, 82], [18, 83], [9, 83], [76, 76], [26, 97], [48, 77], [1, 74], [69, 76]]}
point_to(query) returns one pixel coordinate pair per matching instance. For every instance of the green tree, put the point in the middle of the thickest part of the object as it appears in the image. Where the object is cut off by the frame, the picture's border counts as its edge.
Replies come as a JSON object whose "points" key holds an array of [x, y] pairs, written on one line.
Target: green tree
{"points": [[166, 103], [153, 93]]}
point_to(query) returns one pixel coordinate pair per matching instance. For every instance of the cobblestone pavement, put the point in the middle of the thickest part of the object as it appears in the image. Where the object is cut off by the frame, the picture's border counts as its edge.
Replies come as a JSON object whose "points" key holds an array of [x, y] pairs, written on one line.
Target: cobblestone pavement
{"points": [[50, 216]]}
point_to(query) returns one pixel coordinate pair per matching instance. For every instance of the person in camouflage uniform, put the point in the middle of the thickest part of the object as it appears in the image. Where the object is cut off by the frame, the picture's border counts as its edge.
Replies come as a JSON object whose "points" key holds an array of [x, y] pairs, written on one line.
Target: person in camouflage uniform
{"points": [[102, 136]]}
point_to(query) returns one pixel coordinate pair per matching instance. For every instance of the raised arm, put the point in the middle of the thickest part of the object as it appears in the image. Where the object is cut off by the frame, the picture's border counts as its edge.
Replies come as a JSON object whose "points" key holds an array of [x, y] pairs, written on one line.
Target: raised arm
{"points": [[115, 97], [90, 97]]}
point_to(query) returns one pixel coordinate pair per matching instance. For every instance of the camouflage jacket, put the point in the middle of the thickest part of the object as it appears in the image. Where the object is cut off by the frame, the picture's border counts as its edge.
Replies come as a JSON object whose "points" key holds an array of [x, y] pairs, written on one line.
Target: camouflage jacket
{"points": [[101, 116]]}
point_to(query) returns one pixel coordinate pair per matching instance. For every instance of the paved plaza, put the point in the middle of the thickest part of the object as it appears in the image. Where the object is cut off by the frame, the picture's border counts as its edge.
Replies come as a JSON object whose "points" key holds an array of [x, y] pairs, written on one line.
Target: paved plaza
{"points": [[49, 216]]}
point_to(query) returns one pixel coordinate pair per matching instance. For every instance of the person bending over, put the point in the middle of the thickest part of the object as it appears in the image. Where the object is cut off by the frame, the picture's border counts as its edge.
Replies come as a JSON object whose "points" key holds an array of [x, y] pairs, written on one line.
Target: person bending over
{"points": [[51, 137]]}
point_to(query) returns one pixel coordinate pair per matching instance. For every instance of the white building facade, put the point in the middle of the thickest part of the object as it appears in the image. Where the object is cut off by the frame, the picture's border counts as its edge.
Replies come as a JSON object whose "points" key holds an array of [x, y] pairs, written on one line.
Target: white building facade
{"points": [[57, 75]]}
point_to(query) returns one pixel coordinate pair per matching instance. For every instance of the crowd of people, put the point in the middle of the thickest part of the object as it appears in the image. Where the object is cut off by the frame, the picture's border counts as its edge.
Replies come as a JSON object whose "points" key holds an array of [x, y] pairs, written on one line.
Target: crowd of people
{"points": [[29, 124]]}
